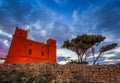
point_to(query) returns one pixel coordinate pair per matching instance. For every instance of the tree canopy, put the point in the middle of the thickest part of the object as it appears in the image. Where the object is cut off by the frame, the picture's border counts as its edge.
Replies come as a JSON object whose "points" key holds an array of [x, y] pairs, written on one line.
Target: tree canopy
{"points": [[84, 46]]}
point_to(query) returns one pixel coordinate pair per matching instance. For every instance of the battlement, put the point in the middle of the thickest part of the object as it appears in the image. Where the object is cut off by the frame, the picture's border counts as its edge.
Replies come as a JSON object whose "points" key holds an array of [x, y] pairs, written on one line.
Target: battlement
{"points": [[21, 33], [51, 42], [21, 29]]}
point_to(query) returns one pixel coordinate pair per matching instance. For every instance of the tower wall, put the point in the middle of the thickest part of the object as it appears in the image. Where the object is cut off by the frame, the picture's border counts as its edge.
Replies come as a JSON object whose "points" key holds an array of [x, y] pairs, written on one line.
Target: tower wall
{"points": [[23, 50], [52, 49]]}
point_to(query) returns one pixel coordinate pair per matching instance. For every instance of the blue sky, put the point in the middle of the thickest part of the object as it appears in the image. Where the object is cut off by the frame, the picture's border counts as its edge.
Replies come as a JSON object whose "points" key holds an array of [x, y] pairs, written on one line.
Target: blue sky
{"points": [[59, 19]]}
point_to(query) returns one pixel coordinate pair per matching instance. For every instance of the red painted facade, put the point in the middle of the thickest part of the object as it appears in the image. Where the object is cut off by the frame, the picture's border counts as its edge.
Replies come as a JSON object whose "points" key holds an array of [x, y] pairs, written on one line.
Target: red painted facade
{"points": [[23, 50]]}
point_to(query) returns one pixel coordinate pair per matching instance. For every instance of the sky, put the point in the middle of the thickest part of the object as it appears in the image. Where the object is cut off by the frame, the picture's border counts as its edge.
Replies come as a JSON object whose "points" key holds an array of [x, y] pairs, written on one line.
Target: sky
{"points": [[59, 19]]}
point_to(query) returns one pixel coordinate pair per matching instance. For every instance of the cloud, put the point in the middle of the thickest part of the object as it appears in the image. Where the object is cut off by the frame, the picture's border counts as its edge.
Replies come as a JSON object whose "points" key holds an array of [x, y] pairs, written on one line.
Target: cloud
{"points": [[4, 45], [1, 61], [61, 2], [5, 34], [55, 29], [65, 55], [3, 52], [75, 16], [82, 22]]}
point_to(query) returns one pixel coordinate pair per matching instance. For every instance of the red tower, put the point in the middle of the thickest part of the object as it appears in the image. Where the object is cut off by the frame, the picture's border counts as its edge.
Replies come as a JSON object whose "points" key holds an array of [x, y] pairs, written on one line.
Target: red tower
{"points": [[23, 50]]}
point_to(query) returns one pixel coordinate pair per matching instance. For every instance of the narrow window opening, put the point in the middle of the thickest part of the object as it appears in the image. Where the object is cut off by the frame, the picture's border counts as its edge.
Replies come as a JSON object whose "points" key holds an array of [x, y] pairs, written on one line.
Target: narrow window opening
{"points": [[30, 51], [42, 53], [30, 44], [42, 46], [20, 33]]}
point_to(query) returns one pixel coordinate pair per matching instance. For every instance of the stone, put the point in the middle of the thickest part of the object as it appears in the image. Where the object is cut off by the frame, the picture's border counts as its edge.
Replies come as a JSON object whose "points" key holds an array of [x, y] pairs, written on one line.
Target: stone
{"points": [[55, 73]]}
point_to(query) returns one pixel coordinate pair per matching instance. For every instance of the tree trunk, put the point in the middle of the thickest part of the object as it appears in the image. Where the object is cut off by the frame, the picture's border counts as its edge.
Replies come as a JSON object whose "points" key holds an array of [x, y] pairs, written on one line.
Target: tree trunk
{"points": [[93, 54], [82, 57], [85, 58], [87, 55], [97, 58], [78, 59]]}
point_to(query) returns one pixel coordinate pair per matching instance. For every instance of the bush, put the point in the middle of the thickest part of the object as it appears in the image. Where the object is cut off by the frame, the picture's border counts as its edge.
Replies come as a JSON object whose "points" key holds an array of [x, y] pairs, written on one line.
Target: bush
{"points": [[75, 62]]}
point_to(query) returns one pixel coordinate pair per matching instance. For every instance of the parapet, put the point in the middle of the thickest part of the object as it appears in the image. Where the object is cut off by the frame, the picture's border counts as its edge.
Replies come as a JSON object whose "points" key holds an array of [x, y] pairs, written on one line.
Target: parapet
{"points": [[21, 33], [51, 42]]}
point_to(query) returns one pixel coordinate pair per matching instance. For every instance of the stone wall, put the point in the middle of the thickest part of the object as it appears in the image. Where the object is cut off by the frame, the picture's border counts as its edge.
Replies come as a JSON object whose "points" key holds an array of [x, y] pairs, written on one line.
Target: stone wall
{"points": [[54, 73]]}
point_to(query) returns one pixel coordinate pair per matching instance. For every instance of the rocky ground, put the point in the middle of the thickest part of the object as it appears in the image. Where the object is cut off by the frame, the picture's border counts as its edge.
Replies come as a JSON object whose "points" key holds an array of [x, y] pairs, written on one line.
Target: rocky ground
{"points": [[54, 73]]}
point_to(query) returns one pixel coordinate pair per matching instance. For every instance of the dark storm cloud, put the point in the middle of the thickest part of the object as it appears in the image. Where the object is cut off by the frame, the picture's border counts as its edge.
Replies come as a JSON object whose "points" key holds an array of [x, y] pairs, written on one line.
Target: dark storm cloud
{"points": [[108, 17], [102, 19], [12, 13], [21, 12]]}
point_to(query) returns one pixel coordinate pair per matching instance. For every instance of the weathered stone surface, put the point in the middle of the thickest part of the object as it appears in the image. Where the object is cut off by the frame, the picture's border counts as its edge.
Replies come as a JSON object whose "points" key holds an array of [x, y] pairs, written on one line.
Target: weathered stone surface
{"points": [[54, 73]]}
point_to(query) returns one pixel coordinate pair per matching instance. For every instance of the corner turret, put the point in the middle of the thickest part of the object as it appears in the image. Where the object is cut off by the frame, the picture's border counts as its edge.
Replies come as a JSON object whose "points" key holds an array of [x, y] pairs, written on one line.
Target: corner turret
{"points": [[52, 49]]}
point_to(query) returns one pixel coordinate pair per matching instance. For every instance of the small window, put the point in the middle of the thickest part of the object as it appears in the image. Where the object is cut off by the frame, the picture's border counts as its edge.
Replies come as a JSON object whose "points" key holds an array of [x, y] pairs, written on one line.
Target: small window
{"points": [[42, 46], [30, 44], [20, 33], [42, 53], [30, 51]]}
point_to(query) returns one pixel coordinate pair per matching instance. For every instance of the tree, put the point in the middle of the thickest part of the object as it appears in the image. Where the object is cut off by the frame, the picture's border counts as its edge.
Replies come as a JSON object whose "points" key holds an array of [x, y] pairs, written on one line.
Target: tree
{"points": [[84, 45], [104, 49]]}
